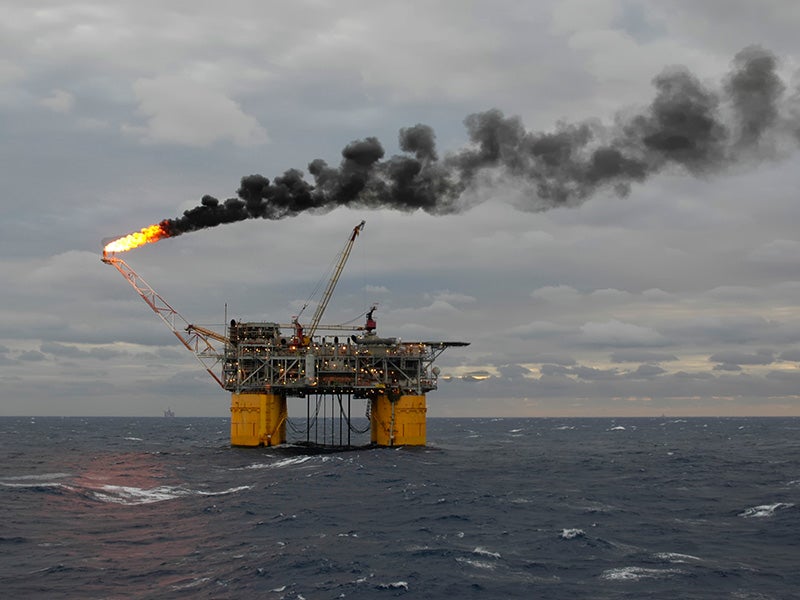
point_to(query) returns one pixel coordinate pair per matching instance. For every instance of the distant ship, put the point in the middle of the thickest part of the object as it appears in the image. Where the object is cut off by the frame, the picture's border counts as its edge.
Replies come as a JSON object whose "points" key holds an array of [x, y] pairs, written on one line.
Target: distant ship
{"points": [[169, 413]]}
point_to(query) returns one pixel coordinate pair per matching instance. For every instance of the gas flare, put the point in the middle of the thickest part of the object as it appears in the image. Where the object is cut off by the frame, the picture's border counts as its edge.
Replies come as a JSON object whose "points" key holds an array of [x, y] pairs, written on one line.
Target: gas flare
{"points": [[147, 235]]}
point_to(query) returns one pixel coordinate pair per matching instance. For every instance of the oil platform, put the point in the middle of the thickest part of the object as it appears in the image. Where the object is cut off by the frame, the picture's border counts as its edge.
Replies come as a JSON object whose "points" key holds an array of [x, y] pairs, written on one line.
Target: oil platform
{"points": [[263, 364]]}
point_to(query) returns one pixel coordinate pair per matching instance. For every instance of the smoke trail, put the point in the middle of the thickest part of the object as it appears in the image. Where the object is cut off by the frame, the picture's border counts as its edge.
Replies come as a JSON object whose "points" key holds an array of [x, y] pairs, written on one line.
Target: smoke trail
{"points": [[687, 125]]}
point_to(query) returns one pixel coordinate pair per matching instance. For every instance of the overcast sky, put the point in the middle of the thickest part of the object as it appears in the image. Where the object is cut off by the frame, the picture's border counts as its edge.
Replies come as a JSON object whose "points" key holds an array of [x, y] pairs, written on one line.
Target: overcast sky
{"points": [[674, 291]]}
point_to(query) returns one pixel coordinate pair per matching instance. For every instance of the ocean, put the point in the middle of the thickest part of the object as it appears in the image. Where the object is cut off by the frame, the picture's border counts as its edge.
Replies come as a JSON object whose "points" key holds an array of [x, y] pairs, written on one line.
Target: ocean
{"points": [[491, 508]]}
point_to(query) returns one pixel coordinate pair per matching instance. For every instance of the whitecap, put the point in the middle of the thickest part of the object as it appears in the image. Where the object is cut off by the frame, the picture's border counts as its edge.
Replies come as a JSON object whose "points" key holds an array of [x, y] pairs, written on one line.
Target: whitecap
{"points": [[128, 495], [36, 484], [133, 439], [479, 564], [764, 510], [286, 462], [191, 584], [617, 428], [676, 557], [485, 552], [397, 585], [636, 573], [122, 494], [571, 534], [232, 490]]}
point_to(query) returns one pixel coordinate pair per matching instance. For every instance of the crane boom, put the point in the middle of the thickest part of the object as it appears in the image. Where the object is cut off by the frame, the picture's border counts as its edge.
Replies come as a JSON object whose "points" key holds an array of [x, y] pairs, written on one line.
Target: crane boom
{"points": [[323, 303], [195, 339], [209, 333]]}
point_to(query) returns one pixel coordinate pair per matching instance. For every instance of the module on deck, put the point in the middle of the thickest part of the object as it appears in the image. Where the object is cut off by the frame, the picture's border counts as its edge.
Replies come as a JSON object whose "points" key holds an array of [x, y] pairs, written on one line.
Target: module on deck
{"points": [[262, 368], [258, 357]]}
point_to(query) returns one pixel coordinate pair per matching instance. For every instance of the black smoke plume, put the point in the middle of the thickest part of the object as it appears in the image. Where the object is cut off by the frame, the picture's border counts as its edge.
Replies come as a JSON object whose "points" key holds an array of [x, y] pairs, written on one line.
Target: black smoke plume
{"points": [[687, 126]]}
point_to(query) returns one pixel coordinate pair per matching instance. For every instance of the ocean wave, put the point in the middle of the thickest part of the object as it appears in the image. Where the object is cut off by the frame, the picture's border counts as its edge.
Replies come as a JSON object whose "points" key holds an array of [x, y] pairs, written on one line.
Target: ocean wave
{"points": [[397, 585], [34, 477], [114, 494], [348, 534], [38, 486], [233, 490], [637, 573], [478, 564], [429, 552], [571, 534], [484, 552], [190, 584], [520, 501], [764, 510], [13, 540], [128, 495], [286, 462], [675, 557]]}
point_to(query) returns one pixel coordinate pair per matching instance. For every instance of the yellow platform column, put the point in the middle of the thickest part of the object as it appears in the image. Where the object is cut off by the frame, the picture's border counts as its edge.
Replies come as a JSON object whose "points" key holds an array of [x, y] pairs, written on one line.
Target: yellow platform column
{"points": [[399, 423], [258, 419]]}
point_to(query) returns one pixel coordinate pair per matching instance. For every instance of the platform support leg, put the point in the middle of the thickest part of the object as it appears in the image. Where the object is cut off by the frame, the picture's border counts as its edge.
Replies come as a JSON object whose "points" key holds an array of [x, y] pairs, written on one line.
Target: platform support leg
{"points": [[258, 419], [398, 420]]}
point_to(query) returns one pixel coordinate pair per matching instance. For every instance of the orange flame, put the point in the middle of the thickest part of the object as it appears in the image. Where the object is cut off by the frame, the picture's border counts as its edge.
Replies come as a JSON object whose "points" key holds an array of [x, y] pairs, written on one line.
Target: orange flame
{"points": [[147, 235]]}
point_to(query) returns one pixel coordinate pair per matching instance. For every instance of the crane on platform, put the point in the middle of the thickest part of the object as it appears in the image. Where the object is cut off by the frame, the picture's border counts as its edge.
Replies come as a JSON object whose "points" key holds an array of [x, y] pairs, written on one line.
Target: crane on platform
{"points": [[196, 339], [326, 296]]}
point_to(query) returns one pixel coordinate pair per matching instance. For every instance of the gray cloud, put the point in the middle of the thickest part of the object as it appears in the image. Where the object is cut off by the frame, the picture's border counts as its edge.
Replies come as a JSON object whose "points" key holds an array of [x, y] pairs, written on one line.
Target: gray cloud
{"points": [[790, 355], [32, 356], [513, 371], [727, 367], [647, 371], [613, 333], [624, 356], [762, 357]]}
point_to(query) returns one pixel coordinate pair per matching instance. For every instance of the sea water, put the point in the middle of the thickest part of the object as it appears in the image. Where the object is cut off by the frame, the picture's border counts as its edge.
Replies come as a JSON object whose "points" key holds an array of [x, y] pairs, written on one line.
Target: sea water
{"points": [[491, 508]]}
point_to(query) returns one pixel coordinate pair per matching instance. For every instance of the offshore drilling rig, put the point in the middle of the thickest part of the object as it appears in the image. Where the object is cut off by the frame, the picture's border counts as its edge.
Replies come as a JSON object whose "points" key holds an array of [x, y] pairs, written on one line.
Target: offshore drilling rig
{"points": [[263, 364]]}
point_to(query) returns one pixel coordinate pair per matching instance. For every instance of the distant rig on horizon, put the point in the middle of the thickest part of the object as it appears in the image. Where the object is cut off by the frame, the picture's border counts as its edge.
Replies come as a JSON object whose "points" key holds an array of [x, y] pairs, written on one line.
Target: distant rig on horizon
{"points": [[262, 364]]}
